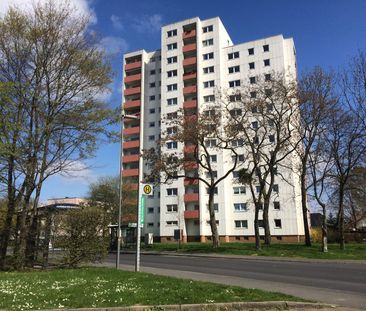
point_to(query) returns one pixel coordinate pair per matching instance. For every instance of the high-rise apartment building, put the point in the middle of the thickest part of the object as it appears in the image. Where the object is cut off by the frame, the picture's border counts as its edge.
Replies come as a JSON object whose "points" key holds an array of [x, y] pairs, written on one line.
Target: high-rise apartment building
{"points": [[196, 58]]}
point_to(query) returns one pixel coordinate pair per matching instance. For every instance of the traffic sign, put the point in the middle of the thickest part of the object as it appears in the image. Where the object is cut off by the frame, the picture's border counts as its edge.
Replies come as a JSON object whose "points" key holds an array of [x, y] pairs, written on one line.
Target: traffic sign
{"points": [[147, 189]]}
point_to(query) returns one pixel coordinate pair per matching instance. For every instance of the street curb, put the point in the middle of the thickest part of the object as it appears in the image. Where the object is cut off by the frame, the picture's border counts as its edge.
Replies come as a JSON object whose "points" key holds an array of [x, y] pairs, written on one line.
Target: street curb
{"points": [[246, 257], [268, 305]]}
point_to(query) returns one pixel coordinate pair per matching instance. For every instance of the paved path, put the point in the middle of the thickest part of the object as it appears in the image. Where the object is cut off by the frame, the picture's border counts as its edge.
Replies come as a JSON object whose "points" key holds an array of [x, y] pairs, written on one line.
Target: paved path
{"points": [[342, 283]]}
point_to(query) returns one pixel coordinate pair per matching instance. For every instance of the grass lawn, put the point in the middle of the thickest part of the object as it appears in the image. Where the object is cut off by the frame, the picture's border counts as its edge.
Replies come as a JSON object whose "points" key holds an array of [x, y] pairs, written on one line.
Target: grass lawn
{"points": [[353, 251], [104, 287]]}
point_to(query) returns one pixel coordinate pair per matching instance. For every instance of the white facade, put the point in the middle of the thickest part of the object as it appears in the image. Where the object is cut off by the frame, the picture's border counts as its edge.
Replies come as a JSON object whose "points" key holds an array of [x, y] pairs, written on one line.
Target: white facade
{"points": [[192, 64]]}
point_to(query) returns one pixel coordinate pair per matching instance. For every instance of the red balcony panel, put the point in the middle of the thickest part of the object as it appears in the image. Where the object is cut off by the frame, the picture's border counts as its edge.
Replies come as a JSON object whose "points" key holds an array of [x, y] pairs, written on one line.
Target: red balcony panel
{"points": [[131, 158], [191, 197], [189, 149], [192, 214], [130, 172], [131, 130], [126, 120], [132, 104], [189, 76], [189, 61], [132, 91], [190, 182], [189, 47], [131, 144], [189, 34], [190, 104], [190, 89], [132, 78], [190, 165], [134, 186], [133, 65]]}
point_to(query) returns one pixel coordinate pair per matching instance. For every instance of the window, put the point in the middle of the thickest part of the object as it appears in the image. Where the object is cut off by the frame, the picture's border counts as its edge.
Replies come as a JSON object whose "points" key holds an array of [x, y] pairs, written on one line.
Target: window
{"points": [[215, 190], [172, 87], [209, 98], [172, 60], [237, 142], [208, 84], [276, 188], [171, 130], [151, 138], [251, 51], [269, 108], [208, 56], [278, 223], [172, 33], [150, 210], [210, 142], [241, 224], [261, 223], [152, 110], [266, 62], [254, 109], [216, 207], [172, 208], [151, 124], [251, 65], [207, 29], [256, 140], [252, 80], [266, 48], [172, 191], [152, 84], [207, 42], [253, 94], [172, 46], [153, 59], [172, 145], [234, 83], [172, 115], [172, 223], [271, 138], [233, 55], [214, 174], [152, 72], [150, 224], [235, 112], [236, 174], [208, 69], [172, 101], [172, 73], [255, 124], [213, 158], [234, 69], [268, 92], [276, 205], [267, 77], [241, 158], [152, 97], [235, 98], [239, 190], [258, 189]]}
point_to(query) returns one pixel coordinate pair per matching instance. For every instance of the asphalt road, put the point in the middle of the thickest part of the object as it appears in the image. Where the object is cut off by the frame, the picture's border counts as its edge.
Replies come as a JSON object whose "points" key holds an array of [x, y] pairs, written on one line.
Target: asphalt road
{"points": [[341, 283]]}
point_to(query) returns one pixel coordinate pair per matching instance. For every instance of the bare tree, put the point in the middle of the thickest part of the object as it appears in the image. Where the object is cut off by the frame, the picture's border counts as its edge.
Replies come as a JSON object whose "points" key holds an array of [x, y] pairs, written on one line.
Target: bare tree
{"points": [[267, 126], [316, 100], [202, 136], [57, 71]]}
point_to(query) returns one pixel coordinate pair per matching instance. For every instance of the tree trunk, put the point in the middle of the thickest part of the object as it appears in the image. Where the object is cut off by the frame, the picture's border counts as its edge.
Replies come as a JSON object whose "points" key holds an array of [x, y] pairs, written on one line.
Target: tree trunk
{"points": [[256, 227], [267, 230], [324, 231], [215, 234], [341, 218], [304, 207], [47, 235]]}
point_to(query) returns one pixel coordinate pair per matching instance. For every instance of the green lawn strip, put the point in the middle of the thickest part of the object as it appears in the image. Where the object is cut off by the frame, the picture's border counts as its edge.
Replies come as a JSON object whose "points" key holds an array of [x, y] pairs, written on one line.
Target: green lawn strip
{"points": [[356, 251], [104, 287]]}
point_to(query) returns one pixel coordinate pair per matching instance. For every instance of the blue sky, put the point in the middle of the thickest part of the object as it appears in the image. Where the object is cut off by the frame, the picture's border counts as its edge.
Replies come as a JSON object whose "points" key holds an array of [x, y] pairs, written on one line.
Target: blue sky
{"points": [[326, 33]]}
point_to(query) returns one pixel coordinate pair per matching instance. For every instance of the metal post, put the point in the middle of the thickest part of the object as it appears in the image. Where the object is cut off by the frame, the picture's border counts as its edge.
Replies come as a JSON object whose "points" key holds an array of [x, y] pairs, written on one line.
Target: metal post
{"points": [[138, 241], [120, 197]]}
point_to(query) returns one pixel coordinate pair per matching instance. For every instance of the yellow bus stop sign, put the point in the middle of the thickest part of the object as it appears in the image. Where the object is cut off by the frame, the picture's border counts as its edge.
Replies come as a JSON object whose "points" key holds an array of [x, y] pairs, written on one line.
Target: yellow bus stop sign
{"points": [[147, 189]]}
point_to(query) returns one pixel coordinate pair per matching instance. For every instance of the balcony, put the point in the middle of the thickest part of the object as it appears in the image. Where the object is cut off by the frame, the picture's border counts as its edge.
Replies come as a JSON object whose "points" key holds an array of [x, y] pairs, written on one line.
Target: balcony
{"points": [[189, 47], [132, 172], [192, 214], [189, 34], [132, 91], [190, 89], [132, 78], [132, 104], [190, 165], [131, 144], [191, 197], [189, 61], [131, 130], [190, 182], [189, 76], [190, 104], [189, 149], [130, 158], [133, 65]]}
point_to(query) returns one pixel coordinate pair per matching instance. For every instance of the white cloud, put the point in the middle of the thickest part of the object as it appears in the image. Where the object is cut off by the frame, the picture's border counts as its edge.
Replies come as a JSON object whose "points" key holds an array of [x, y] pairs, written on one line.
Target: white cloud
{"points": [[114, 45], [150, 24], [78, 171], [117, 23], [79, 7]]}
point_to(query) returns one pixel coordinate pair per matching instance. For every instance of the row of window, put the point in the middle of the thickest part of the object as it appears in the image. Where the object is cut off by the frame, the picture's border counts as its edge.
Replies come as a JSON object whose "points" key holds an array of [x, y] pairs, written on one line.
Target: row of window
{"points": [[236, 54], [174, 32]]}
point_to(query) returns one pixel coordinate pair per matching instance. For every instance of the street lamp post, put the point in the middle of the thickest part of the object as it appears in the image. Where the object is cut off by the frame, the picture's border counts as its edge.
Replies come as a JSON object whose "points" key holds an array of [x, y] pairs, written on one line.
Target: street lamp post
{"points": [[119, 235]]}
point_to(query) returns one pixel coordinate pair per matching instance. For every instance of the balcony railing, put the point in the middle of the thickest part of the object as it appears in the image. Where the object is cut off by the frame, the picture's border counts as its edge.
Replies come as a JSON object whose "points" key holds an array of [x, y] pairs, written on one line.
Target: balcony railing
{"points": [[190, 104], [192, 214], [132, 104], [131, 130], [131, 144], [130, 158], [190, 61], [132, 91], [191, 197], [130, 172], [132, 78], [190, 182], [189, 47], [133, 65], [189, 34], [190, 89], [189, 76]]}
